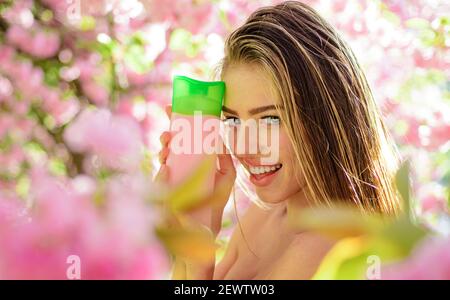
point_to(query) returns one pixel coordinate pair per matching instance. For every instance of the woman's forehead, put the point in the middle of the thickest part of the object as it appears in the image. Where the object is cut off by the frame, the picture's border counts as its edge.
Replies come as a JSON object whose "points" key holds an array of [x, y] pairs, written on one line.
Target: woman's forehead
{"points": [[247, 87]]}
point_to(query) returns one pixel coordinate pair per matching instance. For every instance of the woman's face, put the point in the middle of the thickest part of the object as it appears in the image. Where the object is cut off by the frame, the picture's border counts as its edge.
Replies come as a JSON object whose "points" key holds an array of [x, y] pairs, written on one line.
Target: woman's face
{"points": [[248, 103]]}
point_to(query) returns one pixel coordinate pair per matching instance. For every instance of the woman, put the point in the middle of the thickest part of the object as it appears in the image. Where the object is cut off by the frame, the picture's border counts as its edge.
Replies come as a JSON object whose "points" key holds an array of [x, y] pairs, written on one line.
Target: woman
{"points": [[287, 67]]}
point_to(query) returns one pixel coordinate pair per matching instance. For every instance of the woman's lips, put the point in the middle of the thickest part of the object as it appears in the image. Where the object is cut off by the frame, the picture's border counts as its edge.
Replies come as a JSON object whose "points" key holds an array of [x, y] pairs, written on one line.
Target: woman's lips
{"points": [[265, 178]]}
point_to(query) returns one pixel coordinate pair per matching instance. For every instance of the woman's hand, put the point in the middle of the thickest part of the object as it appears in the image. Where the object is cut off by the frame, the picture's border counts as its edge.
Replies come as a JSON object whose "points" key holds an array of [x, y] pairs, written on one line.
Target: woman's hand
{"points": [[209, 215]]}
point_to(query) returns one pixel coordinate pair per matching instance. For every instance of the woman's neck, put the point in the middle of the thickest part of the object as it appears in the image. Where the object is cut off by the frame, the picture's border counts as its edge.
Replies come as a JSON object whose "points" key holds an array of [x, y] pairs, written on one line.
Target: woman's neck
{"points": [[297, 201]]}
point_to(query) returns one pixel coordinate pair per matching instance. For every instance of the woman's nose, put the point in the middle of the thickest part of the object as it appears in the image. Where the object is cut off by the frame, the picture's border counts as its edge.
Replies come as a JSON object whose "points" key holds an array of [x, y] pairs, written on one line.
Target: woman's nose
{"points": [[251, 141], [243, 139]]}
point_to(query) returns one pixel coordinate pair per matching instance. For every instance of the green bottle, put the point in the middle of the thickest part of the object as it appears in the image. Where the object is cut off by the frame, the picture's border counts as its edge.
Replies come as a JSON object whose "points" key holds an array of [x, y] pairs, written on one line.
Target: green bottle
{"points": [[194, 123]]}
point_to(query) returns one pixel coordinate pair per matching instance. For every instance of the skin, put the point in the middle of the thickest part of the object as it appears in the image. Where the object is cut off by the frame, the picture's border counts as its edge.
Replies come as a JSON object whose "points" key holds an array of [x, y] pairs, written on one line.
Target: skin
{"points": [[273, 249]]}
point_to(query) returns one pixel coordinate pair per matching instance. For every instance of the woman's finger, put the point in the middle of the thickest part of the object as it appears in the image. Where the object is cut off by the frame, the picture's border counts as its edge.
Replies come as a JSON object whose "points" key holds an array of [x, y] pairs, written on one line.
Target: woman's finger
{"points": [[224, 180], [163, 174], [163, 155], [226, 171], [165, 138], [168, 110]]}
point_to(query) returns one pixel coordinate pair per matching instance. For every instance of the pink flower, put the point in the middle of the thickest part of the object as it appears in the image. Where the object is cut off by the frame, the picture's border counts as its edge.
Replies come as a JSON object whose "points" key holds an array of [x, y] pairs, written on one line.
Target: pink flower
{"points": [[184, 13], [6, 88], [40, 43], [125, 105], [18, 36], [432, 203], [160, 96], [115, 139], [112, 241], [33, 86], [95, 92], [429, 260], [430, 62], [439, 136], [412, 136], [12, 210], [88, 67], [62, 110], [43, 44], [137, 79]]}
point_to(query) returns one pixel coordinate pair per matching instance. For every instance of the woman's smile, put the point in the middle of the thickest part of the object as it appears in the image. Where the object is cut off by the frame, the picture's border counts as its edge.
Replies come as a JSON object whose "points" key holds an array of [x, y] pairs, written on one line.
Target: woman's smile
{"points": [[261, 175]]}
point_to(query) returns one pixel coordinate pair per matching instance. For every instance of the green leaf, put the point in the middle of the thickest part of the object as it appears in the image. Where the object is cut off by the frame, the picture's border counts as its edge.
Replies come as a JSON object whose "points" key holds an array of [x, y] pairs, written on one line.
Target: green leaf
{"points": [[192, 244], [402, 183], [338, 221], [389, 240], [135, 56], [87, 23], [57, 167], [342, 251], [23, 186], [418, 23], [179, 39], [191, 195]]}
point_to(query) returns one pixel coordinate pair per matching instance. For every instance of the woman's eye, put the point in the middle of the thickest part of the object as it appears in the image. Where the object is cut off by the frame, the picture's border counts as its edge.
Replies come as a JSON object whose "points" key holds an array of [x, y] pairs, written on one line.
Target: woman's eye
{"points": [[271, 120], [231, 121]]}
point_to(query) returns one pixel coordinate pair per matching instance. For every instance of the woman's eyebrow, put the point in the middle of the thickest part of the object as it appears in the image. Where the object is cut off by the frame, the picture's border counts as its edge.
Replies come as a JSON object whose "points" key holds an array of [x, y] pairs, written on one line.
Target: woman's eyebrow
{"points": [[229, 110], [253, 111], [261, 109]]}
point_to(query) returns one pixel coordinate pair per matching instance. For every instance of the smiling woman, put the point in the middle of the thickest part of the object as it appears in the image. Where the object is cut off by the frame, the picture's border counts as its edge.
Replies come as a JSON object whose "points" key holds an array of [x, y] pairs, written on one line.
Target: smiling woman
{"points": [[290, 57], [287, 69]]}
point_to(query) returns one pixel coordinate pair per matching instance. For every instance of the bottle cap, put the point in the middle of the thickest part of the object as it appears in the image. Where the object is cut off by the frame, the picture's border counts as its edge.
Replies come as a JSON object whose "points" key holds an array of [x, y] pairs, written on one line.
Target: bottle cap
{"points": [[190, 95]]}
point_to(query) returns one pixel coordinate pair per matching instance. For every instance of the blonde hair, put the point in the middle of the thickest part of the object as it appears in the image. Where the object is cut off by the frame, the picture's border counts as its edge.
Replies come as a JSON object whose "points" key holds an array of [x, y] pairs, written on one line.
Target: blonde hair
{"points": [[340, 141]]}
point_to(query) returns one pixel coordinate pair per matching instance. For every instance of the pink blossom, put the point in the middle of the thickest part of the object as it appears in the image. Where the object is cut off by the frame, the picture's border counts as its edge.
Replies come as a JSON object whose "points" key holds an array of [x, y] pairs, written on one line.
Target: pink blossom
{"points": [[159, 96], [6, 88], [429, 260], [412, 136], [88, 67], [428, 62], [20, 13], [43, 44], [112, 241], [135, 78], [116, 139], [97, 93], [125, 106], [40, 43], [183, 13], [431, 203], [18, 36], [440, 135]]}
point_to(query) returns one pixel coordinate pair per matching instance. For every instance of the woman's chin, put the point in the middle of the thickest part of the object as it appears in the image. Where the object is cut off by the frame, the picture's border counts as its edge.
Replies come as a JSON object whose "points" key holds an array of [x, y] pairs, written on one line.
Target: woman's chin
{"points": [[268, 195]]}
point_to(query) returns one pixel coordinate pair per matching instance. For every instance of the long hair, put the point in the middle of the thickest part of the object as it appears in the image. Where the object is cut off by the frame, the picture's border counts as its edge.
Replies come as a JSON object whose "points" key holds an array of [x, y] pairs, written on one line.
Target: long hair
{"points": [[340, 141]]}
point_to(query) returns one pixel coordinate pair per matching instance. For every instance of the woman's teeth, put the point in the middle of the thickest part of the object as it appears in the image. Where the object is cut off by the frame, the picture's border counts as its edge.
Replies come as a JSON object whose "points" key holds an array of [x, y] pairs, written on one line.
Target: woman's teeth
{"points": [[264, 169]]}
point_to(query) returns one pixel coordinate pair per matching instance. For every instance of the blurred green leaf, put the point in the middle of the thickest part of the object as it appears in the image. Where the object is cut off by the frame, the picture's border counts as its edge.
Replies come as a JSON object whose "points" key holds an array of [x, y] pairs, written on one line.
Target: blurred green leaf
{"points": [[35, 151], [403, 233], [337, 221], [183, 40], [23, 186], [418, 23], [363, 236], [135, 55], [51, 69], [57, 167], [191, 194], [179, 39], [87, 23], [342, 251], [402, 183], [195, 245]]}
